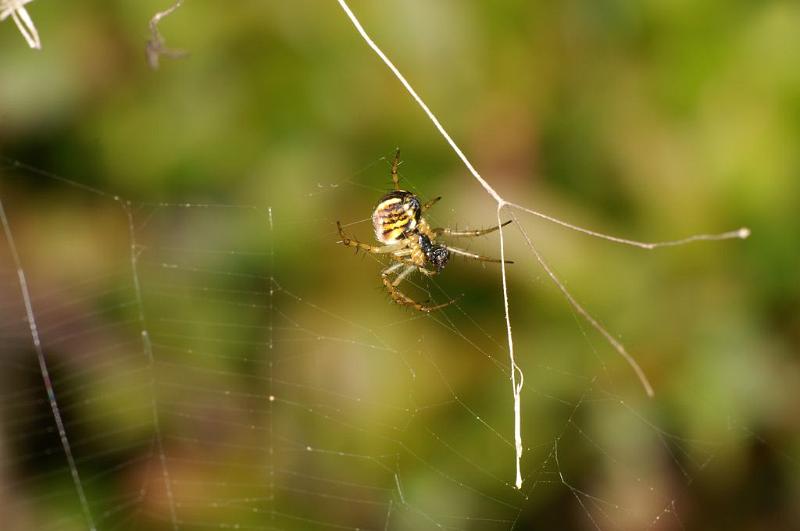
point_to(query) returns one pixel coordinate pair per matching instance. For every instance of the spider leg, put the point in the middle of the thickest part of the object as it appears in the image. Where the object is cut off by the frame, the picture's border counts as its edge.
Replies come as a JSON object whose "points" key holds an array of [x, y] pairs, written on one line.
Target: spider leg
{"points": [[395, 165], [401, 298], [392, 268], [375, 249], [430, 203], [474, 256], [407, 271], [467, 233]]}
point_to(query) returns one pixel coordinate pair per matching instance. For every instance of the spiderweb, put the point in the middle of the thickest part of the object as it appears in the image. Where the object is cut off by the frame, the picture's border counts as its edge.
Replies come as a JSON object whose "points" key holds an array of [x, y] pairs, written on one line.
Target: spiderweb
{"points": [[188, 380], [198, 389]]}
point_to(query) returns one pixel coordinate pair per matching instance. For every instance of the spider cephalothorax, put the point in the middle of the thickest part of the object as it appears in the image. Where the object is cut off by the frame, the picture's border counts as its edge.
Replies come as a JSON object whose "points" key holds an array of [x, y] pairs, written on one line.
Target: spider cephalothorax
{"points": [[400, 225], [436, 255]]}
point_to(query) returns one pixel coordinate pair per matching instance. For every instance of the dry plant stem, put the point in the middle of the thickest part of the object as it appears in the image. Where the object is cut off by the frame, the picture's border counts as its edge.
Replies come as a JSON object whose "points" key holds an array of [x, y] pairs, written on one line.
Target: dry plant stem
{"points": [[742, 233], [501, 203], [25, 25], [419, 101], [48, 384], [619, 347], [517, 387], [155, 44]]}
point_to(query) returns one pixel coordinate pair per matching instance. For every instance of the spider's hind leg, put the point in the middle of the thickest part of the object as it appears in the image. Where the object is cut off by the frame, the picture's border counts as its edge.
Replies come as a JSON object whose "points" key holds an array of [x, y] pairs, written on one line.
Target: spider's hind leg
{"points": [[401, 298]]}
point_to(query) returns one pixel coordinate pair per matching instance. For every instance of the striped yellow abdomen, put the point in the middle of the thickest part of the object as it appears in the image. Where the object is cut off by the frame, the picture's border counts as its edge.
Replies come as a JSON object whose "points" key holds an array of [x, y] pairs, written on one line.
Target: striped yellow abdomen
{"points": [[396, 216]]}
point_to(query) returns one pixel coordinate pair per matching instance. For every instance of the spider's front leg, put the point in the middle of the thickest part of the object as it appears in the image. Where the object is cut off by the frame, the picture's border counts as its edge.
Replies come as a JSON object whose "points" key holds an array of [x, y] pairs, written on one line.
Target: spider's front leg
{"points": [[467, 233], [473, 256], [395, 165], [375, 249], [430, 203]]}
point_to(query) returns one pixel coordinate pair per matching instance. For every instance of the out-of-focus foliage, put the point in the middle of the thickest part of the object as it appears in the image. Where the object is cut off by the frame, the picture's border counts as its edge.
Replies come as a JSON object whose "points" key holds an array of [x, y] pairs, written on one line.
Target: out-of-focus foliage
{"points": [[650, 120]]}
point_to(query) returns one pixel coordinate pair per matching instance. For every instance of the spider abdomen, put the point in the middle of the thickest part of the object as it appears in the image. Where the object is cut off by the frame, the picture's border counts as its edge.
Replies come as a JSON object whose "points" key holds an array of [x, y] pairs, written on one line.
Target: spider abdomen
{"points": [[396, 216]]}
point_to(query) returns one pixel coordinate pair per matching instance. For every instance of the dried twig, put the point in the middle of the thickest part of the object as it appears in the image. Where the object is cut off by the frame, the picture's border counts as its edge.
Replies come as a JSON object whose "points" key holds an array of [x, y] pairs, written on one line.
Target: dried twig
{"points": [[156, 46]]}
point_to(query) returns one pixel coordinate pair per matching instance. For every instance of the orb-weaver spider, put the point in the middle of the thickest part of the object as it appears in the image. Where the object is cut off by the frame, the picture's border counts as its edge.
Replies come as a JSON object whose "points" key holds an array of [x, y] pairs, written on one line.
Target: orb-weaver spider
{"points": [[401, 227]]}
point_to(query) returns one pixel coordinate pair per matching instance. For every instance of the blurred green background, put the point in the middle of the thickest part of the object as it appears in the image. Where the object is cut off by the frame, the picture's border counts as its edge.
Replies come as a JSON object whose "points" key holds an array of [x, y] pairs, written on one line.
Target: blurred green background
{"points": [[277, 386]]}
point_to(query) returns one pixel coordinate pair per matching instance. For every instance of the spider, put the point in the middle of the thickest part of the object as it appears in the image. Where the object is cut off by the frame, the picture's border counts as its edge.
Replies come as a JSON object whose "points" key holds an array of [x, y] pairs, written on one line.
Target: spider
{"points": [[400, 226]]}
